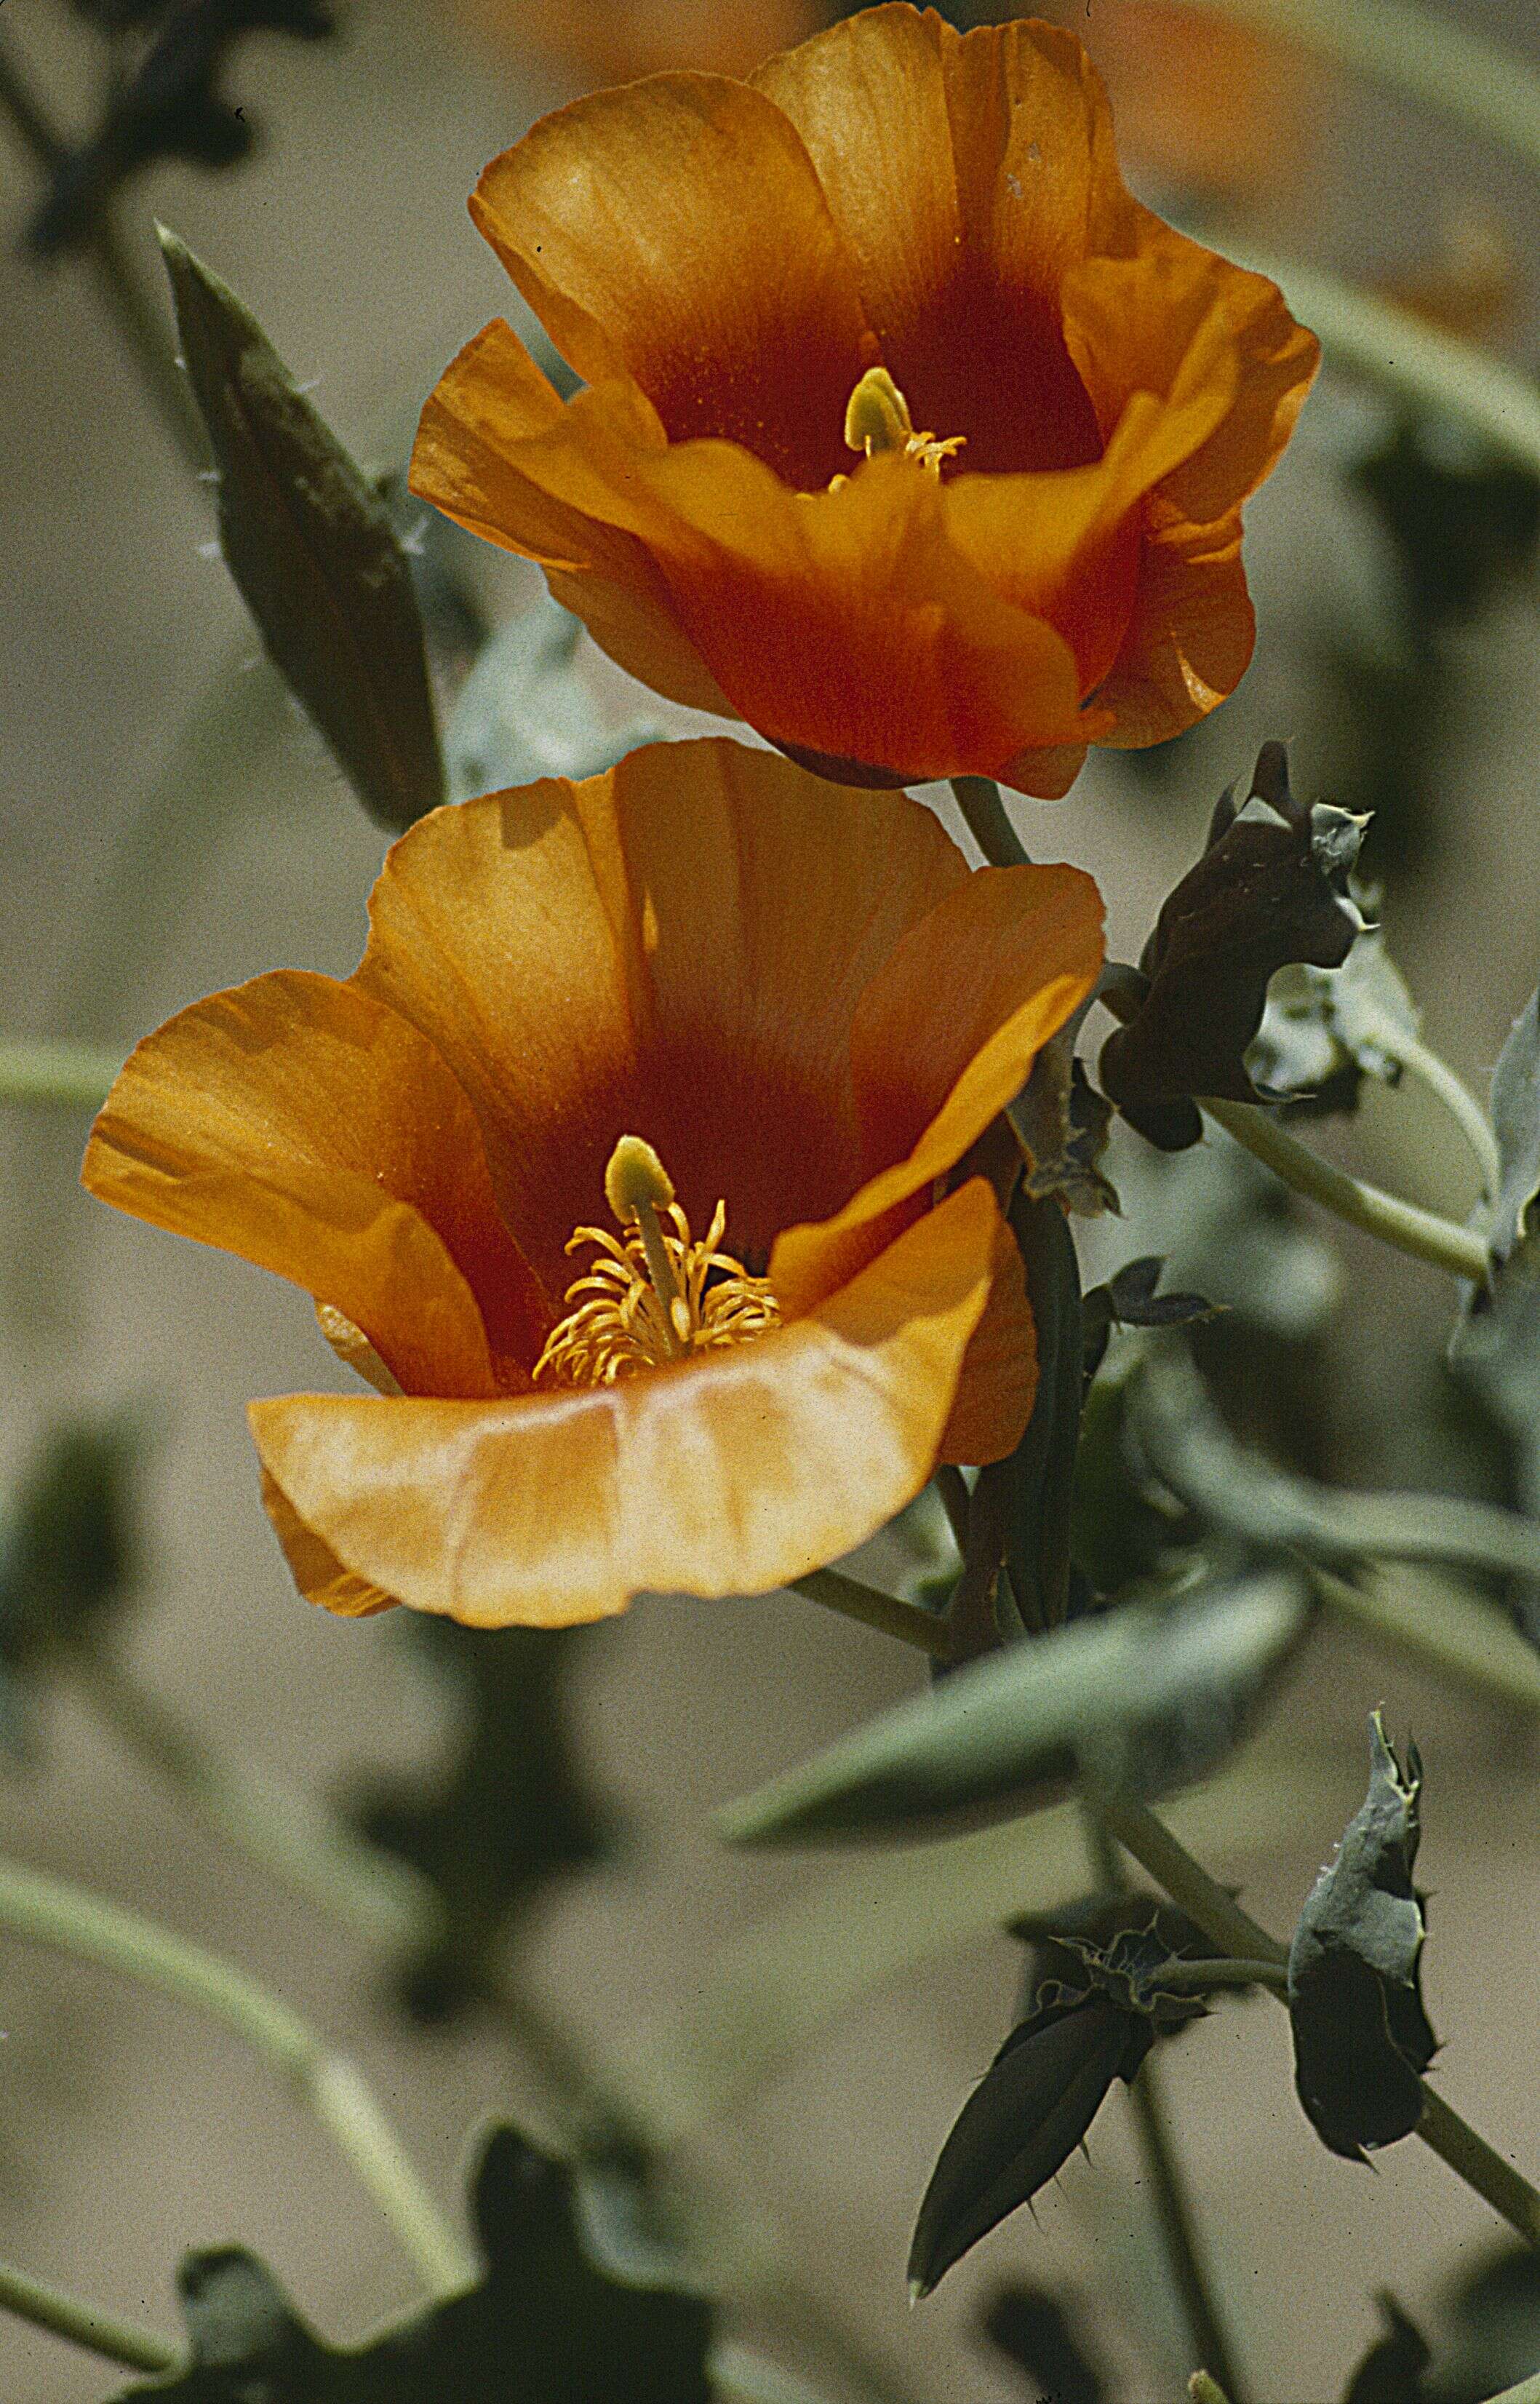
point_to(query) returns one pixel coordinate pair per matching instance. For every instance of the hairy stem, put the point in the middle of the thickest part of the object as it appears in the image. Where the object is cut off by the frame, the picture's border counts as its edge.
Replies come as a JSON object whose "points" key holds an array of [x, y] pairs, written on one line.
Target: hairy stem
{"points": [[50, 1912], [145, 333], [1421, 1233], [1168, 2187], [49, 2308], [872, 1609], [1221, 1918], [985, 815]]}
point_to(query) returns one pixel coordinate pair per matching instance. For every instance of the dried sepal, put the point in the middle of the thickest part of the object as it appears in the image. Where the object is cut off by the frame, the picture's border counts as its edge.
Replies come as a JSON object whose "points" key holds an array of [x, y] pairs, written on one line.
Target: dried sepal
{"points": [[1271, 888], [1362, 2038]]}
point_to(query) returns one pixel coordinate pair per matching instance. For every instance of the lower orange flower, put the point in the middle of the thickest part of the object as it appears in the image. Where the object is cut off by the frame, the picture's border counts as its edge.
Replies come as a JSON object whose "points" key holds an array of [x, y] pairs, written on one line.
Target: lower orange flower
{"points": [[761, 1024]]}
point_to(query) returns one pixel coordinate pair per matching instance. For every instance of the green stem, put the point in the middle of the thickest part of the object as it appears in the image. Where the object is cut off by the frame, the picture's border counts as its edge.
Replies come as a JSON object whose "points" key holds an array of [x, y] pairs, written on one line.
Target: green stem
{"points": [[146, 334], [985, 817], [73, 1076], [1195, 1978], [104, 2333], [872, 1609], [1168, 2187], [1204, 2390], [1221, 1918], [300, 1843], [1468, 1640], [1491, 89], [1461, 1105], [1420, 1233], [50, 1912]]}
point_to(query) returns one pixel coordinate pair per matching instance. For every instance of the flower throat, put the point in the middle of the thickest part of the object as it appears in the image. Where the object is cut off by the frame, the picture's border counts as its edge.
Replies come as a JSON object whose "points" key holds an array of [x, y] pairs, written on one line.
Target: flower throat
{"points": [[655, 1296]]}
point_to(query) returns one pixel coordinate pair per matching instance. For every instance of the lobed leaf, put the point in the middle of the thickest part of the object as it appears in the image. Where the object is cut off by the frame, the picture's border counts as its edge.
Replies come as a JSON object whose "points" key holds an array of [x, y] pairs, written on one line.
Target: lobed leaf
{"points": [[1144, 1700], [546, 2320], [310, 543], [525, 712]]}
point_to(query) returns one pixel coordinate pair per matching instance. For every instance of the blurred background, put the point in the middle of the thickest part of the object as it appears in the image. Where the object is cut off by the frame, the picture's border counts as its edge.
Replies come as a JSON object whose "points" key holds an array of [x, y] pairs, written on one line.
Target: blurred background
{"points": [[168, 824]]}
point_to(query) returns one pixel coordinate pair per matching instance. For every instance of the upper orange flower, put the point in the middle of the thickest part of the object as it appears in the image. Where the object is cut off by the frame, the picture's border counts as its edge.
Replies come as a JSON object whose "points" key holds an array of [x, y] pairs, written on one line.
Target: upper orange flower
{"points": [[704, 967], [1030, 540]]}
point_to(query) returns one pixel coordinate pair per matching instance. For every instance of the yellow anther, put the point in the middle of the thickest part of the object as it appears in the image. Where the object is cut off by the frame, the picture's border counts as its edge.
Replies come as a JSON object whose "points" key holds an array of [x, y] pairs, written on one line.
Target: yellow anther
{"points": [[877, 418], [657, 1296], [637, 1177], [877, 415]]}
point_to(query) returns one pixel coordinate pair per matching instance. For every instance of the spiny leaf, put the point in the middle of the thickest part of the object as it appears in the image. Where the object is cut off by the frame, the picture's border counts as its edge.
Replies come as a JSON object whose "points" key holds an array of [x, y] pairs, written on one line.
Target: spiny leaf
{"points": [[1143, 1700], [1271, 888], [546, 2324], [1022, 2121], [1130, 1299], [1361, 2036], [310, 543], [504, 1820]]}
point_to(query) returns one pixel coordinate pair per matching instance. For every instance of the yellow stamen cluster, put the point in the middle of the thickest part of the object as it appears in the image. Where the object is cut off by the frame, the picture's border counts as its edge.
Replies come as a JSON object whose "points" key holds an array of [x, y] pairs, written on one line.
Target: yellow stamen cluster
{"points": [[655, 1296], [877, 418]]}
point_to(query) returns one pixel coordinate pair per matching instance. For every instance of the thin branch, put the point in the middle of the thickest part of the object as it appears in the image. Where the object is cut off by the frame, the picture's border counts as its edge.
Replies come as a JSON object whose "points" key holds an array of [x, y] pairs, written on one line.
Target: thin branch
{"points": [[50, 1912], [1168, 2186], [68, 1075], [49, 2308], [872, 1609], [1421, 1062], [1187, 1976], [1420, 1233]]}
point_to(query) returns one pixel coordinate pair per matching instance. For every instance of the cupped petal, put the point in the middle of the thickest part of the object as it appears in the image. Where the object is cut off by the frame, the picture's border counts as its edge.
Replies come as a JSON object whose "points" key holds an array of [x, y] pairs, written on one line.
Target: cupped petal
{"points": [[845, 625], [675, 230], [304, 1126], [1065, 547], [1139, 323], [488, 399], [967, 174], [1189, 637], [1014, 951], [729, 1474], [675, 949], [999, 1378]]}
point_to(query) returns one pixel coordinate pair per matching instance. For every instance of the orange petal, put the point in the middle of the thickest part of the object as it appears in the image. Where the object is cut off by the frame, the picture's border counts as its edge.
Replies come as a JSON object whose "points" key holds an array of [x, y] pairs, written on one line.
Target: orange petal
{"points": [[675, 230], [844, 624], [1189, 638], [675, 949], [728, 1476], [999, 1380], [967, 175], [1066, 546], [298, 1122], [1014, 951], [315, 1569], [488, 400], [1048, 774], [1137, 325]]}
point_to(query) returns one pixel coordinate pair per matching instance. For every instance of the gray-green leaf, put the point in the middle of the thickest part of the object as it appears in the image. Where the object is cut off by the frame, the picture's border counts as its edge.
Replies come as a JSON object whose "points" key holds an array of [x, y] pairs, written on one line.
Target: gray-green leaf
{"points": [[310, 543], [1143, 1701], [524, 711], [1362, 2039]]}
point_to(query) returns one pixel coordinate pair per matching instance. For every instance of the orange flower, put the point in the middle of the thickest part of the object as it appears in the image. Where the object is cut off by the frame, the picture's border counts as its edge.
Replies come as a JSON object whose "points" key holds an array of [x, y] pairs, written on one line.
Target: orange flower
{"points": [[804, 1006], [793, 301]]}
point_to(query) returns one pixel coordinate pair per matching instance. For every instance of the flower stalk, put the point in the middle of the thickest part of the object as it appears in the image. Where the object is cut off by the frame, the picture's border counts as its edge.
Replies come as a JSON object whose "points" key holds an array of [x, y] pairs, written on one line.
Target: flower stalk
{"points": [[1422, 1233]]}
